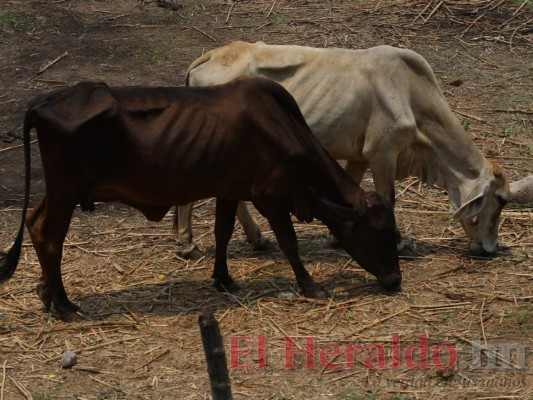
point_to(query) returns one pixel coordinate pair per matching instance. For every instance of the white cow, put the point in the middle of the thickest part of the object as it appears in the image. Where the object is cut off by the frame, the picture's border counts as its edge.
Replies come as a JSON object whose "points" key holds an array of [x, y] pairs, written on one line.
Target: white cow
{"points": [[379, 108]]}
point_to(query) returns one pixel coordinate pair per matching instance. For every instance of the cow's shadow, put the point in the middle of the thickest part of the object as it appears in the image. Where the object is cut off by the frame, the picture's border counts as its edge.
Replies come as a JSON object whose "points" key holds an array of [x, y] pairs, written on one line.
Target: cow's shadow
{"points": [[191, 296], [457, 246], [194, 296], [173, 297]]}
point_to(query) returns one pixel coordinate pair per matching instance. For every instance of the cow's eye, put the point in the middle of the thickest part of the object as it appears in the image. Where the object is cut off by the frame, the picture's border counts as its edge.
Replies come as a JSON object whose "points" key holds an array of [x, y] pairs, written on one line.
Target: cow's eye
{"points": [[475, 220]]}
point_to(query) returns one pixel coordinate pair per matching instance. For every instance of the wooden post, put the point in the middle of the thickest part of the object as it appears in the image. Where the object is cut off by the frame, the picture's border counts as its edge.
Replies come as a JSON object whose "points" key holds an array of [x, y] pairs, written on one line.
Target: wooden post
{"points": [[522, 190], [217, 366]]}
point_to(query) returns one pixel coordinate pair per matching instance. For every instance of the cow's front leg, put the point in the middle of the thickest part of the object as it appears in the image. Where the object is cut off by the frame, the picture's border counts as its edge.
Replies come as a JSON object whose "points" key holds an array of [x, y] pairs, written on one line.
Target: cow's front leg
{"points": [[280, 221], [183, 225], [384, 174], [48, 224], [356, 169], [224, 224]]}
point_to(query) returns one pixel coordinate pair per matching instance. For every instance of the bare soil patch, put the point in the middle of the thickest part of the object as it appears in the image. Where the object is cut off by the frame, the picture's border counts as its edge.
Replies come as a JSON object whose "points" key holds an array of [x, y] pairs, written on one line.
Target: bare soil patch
{"points": [[140, 339]]}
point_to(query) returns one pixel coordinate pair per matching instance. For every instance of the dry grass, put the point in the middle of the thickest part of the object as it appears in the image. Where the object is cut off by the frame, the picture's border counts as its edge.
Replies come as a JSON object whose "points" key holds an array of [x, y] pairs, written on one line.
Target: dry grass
{"points": [[140, 338]]}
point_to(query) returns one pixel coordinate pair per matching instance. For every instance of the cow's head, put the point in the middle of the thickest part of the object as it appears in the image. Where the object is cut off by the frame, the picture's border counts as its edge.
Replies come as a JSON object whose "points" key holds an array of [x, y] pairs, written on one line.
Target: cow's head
{"points": [[480, 214], [370, 238]]}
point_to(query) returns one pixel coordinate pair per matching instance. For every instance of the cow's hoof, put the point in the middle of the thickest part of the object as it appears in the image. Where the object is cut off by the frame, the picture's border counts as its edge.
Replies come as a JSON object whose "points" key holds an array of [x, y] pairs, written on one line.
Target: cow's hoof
{"points": [[66, 311], [67, 315], [316, 292], [226, 285], [333, 242], [407, 252], [264, 245], [194, 255]]}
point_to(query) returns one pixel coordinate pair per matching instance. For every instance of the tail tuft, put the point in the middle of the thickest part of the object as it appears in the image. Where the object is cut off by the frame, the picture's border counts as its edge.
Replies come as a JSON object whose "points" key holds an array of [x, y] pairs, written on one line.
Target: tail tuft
{"points": [[9, 260]]}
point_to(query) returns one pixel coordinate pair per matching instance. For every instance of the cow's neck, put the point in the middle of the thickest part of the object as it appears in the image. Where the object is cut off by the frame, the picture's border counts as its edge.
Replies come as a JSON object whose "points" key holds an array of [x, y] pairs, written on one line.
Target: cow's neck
{"points": [[350, 190], [458, 164], [331, 218]]}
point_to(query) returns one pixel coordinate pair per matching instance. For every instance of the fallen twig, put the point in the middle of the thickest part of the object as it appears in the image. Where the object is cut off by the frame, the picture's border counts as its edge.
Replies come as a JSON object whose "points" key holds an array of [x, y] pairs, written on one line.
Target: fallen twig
{"points": [[3, 380], [271, 9], [229, 12], [433, 12], [203, 33], [379, 321], [27, 395], [499, 110], [16, 147], [164, 352], [48, 64], [422, 12]]}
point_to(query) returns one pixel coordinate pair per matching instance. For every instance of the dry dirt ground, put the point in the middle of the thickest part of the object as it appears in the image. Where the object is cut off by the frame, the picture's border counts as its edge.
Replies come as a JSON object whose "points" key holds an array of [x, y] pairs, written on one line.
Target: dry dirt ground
{"points": [[140, 338]]}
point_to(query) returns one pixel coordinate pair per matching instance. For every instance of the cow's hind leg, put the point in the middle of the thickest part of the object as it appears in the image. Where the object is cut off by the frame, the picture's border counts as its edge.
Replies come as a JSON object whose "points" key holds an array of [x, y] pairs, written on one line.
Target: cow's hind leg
{"points": [[224, 224], [281, 224], [252, 231], [183, 225], [48, 224]]}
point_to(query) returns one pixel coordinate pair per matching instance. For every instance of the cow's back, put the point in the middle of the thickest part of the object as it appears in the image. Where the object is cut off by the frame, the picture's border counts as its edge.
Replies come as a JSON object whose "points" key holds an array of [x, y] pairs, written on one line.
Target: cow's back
{"points": [[340, 92], [379, 108], [206, 141], [165, 146]]}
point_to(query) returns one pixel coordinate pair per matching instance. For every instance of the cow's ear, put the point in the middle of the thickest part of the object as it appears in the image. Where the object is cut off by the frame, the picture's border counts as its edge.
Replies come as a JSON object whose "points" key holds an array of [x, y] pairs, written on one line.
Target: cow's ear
{"points": [[474, 203], [497, 169], [472, 207], [502, 182], [374, 203], [476, 200], [342, 212]]}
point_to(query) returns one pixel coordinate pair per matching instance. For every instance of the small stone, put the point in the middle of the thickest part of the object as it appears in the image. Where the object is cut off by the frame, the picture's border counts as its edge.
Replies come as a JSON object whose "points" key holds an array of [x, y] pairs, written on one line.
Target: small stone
{"points": [[69, 359]]}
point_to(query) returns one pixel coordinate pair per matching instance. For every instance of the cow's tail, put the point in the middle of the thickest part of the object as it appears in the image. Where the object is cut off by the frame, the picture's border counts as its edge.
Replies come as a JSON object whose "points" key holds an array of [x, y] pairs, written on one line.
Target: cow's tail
{"points": [[199, 61], [9, 260]]}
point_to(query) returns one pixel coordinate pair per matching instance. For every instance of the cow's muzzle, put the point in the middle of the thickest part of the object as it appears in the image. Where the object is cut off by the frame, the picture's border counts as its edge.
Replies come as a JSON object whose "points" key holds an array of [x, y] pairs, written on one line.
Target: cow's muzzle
{"points": [[479, 249], [391, 283]]}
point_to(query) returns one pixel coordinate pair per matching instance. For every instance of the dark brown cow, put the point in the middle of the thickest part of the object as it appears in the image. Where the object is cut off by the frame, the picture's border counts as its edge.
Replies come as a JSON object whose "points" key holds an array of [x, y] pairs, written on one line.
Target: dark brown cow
{"points": [[152, 148]]}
